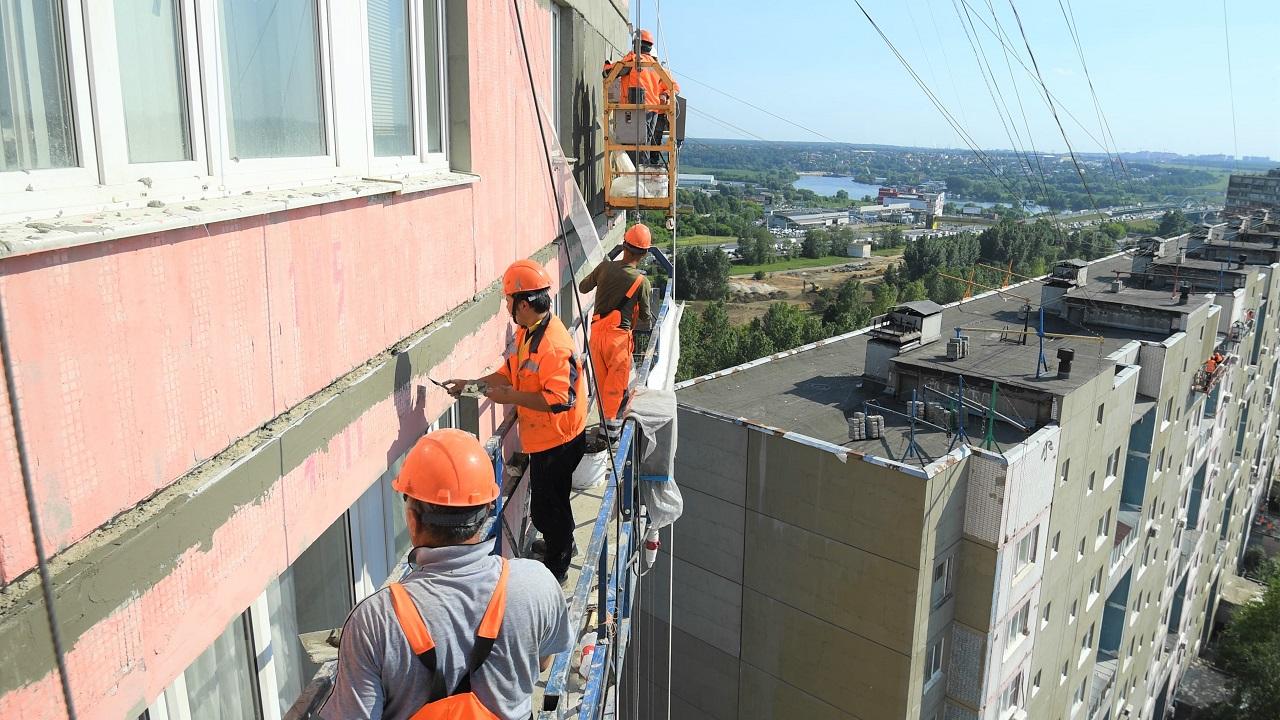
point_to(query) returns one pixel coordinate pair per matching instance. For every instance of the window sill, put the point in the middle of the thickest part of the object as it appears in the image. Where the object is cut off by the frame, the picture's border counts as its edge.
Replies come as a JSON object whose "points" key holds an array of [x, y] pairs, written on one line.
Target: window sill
{"points": [[29, 237]]}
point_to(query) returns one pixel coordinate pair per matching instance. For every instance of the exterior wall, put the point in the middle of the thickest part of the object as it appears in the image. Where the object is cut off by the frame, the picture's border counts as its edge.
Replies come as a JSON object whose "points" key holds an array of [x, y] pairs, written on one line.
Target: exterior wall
{"points": [[201, 403], [773, 613]]}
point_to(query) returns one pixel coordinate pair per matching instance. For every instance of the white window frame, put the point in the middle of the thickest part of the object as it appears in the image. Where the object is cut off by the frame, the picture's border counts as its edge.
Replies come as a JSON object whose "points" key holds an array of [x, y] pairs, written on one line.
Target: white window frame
{"points": [[110, 131], [1025, 550], [938, 598], [933, 660], [421, 161], [1019, 626], [1011, 698], [85, 172], [267, 173]]}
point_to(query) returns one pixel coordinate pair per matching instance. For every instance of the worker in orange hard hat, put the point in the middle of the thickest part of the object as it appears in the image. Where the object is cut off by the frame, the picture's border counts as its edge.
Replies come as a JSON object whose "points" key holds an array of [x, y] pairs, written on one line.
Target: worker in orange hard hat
{"points": [[543, 378], [466, 633], [622, 304], [655, 88]]}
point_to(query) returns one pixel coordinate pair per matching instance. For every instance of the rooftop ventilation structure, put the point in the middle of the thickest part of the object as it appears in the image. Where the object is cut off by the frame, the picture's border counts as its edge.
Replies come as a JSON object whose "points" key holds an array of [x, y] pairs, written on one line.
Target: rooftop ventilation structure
{"points": [[906, 327]]}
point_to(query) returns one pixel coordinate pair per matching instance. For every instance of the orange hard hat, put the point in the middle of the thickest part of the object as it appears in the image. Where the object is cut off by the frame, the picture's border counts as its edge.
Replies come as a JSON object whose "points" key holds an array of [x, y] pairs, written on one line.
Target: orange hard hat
{"points": [[525, 276], [639, 237], [646, 37], [450, 468]]}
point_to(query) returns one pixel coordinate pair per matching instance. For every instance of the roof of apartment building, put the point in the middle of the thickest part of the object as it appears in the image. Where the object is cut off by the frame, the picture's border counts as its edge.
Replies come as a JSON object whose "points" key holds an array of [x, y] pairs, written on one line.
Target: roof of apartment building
{"points": [[813, 389]]}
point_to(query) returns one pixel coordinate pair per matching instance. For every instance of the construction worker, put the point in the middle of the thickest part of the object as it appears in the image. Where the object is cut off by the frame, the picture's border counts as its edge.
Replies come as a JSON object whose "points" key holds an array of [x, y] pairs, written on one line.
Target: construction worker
{"points": [[542, 377], [655, 88], [467, 633], [622, 304]]}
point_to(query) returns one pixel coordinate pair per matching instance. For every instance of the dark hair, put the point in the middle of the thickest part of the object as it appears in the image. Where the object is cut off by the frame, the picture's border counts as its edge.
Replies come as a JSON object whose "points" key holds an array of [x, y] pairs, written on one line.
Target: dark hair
{"points": [[539, 300], [450, 533], [630, 252]]}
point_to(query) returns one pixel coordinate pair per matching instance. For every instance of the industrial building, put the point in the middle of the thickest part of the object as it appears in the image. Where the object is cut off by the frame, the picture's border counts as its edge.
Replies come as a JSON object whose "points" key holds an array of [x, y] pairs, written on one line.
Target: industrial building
{"points": [[1254, 191], [805, 219], [1023, 505], [225, 296]]}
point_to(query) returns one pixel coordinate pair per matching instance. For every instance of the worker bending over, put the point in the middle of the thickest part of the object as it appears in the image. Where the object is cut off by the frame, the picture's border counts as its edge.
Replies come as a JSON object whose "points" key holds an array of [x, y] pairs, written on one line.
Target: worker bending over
{"points": [[655, 89], [466, 634], [542, 377], [622, 304]]}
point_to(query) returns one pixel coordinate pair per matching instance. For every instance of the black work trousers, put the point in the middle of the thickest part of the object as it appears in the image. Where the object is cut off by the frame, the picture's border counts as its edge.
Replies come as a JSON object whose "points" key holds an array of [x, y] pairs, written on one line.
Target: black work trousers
{"points": [[550, 480]]}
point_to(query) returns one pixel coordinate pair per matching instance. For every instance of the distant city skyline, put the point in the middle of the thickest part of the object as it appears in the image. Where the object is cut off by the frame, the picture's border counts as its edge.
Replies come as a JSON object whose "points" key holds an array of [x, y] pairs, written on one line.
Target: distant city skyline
{"points": [[1160, 74]]}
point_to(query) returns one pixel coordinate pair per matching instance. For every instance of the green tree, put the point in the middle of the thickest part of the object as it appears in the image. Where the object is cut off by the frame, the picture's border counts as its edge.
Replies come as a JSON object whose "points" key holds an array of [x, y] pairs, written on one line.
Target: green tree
{"points": [[1172, 223], [817, 243], [892, 238], [701, 273], [1250, 653]]}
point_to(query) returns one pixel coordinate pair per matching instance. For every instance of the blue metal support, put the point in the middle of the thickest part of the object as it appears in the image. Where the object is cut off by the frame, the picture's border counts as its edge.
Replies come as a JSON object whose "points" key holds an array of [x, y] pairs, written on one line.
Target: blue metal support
{"points": [[1042, 365]]}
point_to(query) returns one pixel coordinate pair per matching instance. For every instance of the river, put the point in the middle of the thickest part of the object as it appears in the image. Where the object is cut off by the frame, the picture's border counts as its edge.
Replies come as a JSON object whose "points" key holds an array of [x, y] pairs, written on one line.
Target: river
{"points": [[828, 186]]}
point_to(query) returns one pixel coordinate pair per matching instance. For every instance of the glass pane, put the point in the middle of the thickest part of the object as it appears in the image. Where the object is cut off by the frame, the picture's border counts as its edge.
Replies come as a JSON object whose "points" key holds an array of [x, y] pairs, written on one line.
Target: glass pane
{"points": [[152, 86], [397, 530], [433, 36], [314, 594], [389, 77], [220, 681], [37, 131], [271, 63]]}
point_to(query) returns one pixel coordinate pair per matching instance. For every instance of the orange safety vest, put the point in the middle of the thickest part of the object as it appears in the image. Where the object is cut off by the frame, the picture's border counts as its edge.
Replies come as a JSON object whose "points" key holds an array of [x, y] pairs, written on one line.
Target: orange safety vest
{"points": [[628, 304], [544, 362], [647, 78], [462, 703]]}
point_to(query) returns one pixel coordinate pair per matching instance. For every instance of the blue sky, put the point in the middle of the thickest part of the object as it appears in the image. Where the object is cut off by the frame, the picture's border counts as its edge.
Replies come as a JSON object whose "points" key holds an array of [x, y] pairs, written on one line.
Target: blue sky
{"points": [[1159, 68]]}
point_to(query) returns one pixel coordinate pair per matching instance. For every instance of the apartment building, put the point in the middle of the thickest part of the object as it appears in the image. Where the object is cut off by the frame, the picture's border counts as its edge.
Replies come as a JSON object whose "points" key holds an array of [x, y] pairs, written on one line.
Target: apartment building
{"points": [[1023, 505], [235, 241], [1254, 191]]}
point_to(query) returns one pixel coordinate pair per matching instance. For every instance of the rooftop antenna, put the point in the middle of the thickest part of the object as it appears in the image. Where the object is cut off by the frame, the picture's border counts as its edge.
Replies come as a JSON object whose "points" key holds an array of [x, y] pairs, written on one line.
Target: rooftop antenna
{"points": [[960, 413], [989, 441], [913, 448], [1042, 365]]}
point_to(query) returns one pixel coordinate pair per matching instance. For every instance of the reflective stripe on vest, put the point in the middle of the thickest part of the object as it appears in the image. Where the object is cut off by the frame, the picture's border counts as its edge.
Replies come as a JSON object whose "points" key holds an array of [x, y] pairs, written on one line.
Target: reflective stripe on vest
{"points": [[440, 702]]}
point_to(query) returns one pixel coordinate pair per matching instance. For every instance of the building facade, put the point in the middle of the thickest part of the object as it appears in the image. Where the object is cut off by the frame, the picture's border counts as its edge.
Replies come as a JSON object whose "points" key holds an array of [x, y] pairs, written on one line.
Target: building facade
{"points": [[237, 241], [1248, 191], [940, 517]]}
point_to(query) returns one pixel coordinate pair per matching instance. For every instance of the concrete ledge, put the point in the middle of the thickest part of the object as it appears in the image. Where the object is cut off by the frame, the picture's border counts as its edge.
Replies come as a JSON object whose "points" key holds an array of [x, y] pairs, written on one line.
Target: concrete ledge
{"points": [[27, 238]]}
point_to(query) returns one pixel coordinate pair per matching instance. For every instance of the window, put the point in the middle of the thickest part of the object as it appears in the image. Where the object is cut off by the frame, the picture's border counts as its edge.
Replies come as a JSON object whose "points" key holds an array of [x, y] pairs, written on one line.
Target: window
{"points": [[1035, 683], [1160, 460], [941, 589], [933, 661], [553, 103], [1026, 549], [313, 594], [1095, 585], [1019, 626], [1093, 476], [1101, 409], [37, 127], [390, 77], [1066, 469], [153, 86], [1168, 411], [1072, 616], [1104, 524], [271, 69], [1086, 642], [1056, 537], [1012, 696], [1044, 619], [1079, 696], [1080, 550], [220, 683], [1063, 677]]}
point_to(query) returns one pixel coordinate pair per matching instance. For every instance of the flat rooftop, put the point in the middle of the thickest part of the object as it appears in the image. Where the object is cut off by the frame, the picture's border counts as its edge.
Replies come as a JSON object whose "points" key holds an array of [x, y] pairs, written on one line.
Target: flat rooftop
{"points": [[812, 390]]}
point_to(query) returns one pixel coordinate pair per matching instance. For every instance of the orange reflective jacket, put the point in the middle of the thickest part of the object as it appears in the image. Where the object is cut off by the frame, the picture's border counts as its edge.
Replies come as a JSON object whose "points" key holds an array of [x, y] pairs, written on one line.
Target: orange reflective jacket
{"points": [[462, 703], [647, 78], [543, 361]]}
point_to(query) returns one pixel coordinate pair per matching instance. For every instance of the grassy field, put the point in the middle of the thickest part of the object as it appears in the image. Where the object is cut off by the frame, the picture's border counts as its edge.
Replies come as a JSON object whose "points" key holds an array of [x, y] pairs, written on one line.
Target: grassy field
{"points": [[1141, 227], [888, 252], [703, 240], [792, 264]]}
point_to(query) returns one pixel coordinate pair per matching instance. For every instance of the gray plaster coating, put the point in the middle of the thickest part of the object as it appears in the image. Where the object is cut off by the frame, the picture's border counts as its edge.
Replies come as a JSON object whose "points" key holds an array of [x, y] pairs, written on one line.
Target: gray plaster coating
{"points": [[121, 560], [812, 392]]}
